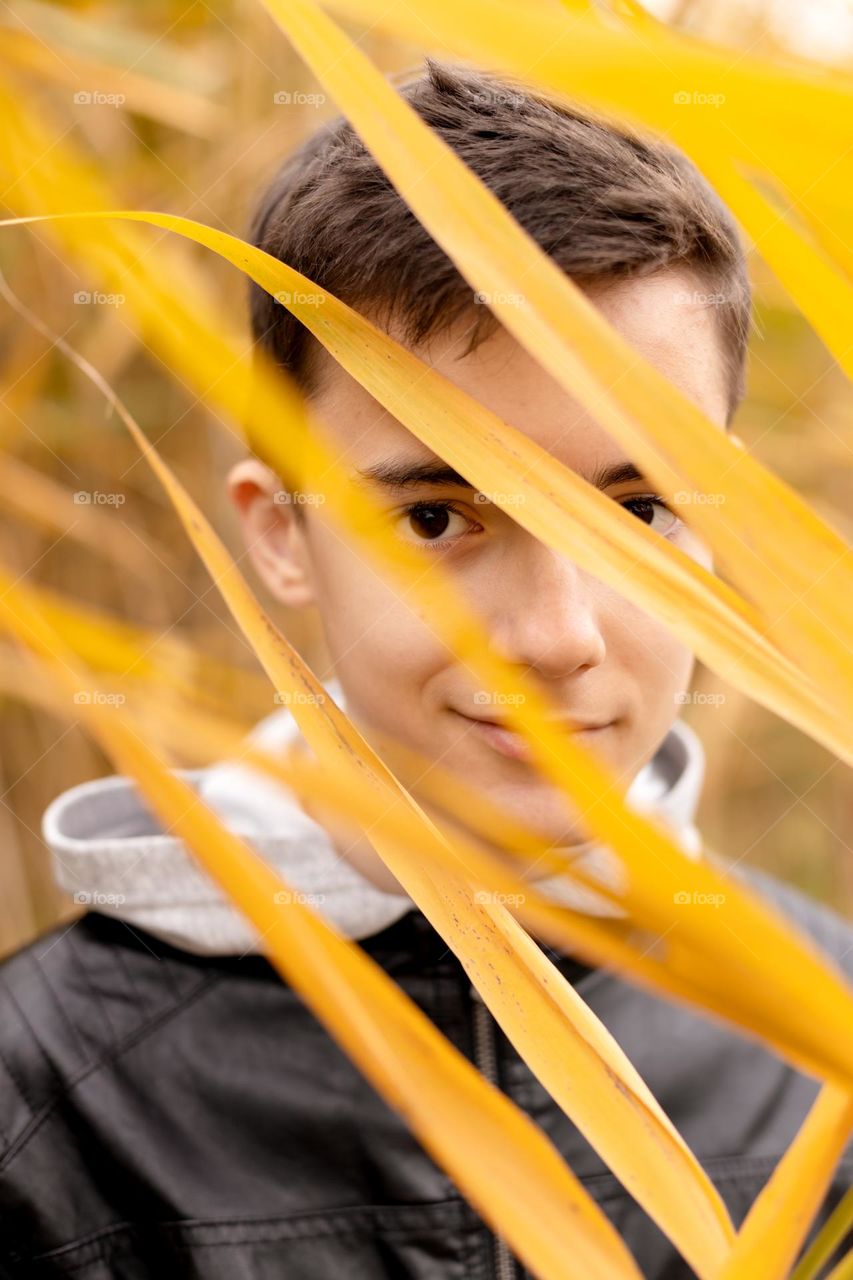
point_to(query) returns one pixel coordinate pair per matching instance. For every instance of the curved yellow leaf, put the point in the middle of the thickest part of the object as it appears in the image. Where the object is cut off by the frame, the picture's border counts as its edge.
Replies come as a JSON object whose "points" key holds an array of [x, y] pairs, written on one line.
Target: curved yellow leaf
{"points": [[771, 543], [497, 1156], [797, 119], [558, 506], [831, 1235], [772, 1234], [812, 998]]}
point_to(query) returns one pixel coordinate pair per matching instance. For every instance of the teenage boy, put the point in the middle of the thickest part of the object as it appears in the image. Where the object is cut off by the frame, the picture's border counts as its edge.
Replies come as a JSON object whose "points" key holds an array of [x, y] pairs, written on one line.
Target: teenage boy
{"points": [[168, 1106]]}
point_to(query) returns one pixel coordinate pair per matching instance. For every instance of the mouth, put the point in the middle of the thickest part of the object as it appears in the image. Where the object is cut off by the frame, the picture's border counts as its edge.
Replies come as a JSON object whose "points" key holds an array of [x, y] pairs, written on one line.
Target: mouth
{"points": [[507, 742]]}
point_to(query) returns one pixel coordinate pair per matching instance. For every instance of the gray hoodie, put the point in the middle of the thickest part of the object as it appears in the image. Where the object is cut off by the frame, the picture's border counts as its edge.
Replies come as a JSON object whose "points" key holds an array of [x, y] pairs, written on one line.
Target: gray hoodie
{"points": [[111, 854]]}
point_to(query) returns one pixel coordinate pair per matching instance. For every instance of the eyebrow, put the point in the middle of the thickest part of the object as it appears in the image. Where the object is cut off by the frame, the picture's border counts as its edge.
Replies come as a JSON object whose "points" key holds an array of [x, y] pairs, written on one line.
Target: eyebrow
{"points": [[400, 473]]}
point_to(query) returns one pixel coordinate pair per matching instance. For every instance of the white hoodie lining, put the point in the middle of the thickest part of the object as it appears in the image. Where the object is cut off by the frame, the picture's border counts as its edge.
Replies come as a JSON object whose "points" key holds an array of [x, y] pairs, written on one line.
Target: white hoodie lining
{"points": [[111, 854]]}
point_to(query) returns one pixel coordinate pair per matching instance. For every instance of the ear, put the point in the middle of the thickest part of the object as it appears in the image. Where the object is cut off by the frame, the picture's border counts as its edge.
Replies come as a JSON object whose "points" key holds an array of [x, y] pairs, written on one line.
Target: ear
{"points": [[273, 533]]}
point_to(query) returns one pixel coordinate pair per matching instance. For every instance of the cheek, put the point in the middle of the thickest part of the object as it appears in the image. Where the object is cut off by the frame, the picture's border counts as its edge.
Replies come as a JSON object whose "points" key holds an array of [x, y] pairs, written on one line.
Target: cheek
{"points": [[654, 669], [381, 650], [657, 654], [692, 545], [654, 662]]}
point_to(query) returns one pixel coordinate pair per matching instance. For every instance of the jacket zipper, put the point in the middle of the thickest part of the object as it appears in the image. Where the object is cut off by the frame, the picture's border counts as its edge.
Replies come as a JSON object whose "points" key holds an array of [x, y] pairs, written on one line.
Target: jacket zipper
{"points": [[485, 1057]]}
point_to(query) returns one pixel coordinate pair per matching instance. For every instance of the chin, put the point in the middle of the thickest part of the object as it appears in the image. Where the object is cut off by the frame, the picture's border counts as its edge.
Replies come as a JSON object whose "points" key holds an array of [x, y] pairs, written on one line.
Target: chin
{"points": [[537, 805]]}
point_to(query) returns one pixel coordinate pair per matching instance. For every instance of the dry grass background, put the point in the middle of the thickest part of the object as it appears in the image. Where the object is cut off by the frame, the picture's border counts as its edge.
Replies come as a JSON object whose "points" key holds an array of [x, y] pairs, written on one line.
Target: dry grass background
{"points": [[772, 797]]}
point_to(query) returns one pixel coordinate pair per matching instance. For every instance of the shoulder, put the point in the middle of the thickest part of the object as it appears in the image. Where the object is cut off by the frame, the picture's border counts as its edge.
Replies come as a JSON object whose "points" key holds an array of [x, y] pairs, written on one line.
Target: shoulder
{"points": [[728, 1093], [70, 1001], [831, 932]]}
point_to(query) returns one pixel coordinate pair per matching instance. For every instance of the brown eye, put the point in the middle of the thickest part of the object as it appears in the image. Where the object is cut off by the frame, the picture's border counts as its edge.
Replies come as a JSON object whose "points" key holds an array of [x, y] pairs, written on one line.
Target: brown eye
{"points": [[653, 512], [436, 523]]}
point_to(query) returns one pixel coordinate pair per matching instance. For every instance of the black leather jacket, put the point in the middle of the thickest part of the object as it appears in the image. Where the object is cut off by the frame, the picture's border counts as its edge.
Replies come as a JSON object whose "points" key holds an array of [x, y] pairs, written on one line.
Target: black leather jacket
{"points": [[170, 1115]]}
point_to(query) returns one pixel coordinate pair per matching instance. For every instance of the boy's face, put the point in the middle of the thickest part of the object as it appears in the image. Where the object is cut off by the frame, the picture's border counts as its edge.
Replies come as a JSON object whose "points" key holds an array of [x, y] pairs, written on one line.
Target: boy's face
{"points": [[599, 658]]}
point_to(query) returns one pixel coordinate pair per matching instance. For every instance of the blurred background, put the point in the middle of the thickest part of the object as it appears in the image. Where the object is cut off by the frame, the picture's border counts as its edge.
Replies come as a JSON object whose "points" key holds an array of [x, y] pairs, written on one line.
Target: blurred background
{"points": [[188, 109]]}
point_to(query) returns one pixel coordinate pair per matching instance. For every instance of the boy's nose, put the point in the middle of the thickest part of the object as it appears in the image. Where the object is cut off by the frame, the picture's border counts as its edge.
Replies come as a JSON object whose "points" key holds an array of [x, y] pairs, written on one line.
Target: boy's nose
{"points": [[544, 615]]}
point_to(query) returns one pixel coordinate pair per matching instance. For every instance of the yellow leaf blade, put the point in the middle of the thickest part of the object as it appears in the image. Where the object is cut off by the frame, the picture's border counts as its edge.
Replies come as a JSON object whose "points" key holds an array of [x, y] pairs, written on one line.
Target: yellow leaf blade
{"points": [[774, 1229], [501, 1161]]}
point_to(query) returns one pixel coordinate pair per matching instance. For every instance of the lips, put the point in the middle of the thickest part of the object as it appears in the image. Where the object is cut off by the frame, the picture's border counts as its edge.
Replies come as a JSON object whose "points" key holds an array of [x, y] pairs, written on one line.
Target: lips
{"points": [[507, 742], [569, 725]]}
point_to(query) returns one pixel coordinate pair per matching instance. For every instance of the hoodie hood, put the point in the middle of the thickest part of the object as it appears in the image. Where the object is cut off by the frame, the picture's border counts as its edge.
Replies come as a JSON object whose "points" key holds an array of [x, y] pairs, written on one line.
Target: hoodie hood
{"points": [[110, 853]]}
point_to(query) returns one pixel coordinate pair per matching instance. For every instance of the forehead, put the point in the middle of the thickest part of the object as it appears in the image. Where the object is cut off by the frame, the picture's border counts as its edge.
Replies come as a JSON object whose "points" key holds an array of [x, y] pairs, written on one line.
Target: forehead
{"points": [[668, 319]]}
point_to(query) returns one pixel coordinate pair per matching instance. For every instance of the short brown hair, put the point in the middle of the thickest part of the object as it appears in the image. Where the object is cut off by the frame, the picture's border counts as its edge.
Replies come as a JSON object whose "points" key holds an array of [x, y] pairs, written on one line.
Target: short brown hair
{"points": [[601, 202]]}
